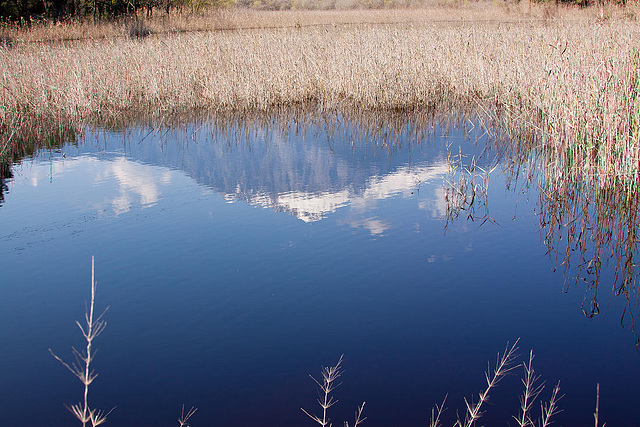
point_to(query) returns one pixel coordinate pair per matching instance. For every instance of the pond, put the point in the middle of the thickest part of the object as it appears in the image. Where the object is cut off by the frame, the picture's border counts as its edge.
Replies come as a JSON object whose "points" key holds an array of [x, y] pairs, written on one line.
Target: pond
{"points": [[236, 261]]}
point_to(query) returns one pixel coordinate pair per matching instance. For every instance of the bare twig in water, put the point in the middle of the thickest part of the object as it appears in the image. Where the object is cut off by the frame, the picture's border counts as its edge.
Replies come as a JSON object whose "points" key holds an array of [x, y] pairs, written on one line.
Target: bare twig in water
{"points": [[184, 418], [596, 415], [329, 376], [530, 394], [532, 390], [81, 367], [358, 419], [550, 409], [436, 413], [504, 364]]}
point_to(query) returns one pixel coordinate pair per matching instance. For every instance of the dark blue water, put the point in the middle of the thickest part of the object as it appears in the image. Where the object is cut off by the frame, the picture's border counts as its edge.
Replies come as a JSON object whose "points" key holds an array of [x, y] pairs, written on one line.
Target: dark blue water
{"points": [[235, 264]]}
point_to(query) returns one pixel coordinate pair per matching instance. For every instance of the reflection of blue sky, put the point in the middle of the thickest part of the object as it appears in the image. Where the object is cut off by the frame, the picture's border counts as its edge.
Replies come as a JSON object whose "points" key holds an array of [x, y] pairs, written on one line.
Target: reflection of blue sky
{"points": [[106, 186], [116, 185], [302, 175]]}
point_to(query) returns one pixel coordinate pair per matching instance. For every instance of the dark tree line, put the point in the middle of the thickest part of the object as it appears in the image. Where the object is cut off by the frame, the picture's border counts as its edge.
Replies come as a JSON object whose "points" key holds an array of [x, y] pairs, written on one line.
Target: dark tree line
{"points": [[29, 10]]}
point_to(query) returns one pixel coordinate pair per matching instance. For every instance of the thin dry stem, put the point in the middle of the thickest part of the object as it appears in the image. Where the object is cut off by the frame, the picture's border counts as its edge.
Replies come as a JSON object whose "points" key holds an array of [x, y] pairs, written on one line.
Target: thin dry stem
{"points": [[503, 366], [530, 393], [81, 368], [184, 418], [436, 413], [329, 376], [358, 419], [596, 414], [551, 408]]}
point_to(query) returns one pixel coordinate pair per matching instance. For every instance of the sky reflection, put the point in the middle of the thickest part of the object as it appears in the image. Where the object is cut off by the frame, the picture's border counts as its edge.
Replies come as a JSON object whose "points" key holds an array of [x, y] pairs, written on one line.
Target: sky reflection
{"points": [[308, 181], [104, 186]]}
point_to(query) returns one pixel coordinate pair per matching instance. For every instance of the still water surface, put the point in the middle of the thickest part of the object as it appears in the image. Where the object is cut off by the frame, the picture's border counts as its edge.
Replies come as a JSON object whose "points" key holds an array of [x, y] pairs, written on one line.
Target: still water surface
{"points": [[236, 264]]}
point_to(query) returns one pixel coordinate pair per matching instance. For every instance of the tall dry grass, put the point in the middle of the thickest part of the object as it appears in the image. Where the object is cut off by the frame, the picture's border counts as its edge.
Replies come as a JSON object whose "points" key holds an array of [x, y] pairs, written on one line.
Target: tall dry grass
{"points": [[300, 14], [566, 72]]}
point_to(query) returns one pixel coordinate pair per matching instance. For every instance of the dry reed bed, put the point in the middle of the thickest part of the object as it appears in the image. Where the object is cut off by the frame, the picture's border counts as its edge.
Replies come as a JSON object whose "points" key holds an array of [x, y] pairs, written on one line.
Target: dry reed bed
{"points": [[574, 81], [242, 19]]}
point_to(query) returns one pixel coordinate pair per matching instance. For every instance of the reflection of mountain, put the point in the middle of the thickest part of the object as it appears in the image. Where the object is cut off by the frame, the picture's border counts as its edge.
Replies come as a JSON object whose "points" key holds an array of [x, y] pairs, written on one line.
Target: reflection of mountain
{"points": [[306, 175], [310, 206]]}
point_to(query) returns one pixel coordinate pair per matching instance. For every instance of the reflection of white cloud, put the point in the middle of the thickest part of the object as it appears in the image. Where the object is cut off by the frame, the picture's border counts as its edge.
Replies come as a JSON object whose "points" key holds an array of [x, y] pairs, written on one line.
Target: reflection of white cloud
{"points": [[136, 182], [375, 226], [439, 258], [45, 171], [310, 206], [115, 185], [437, 205]]}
